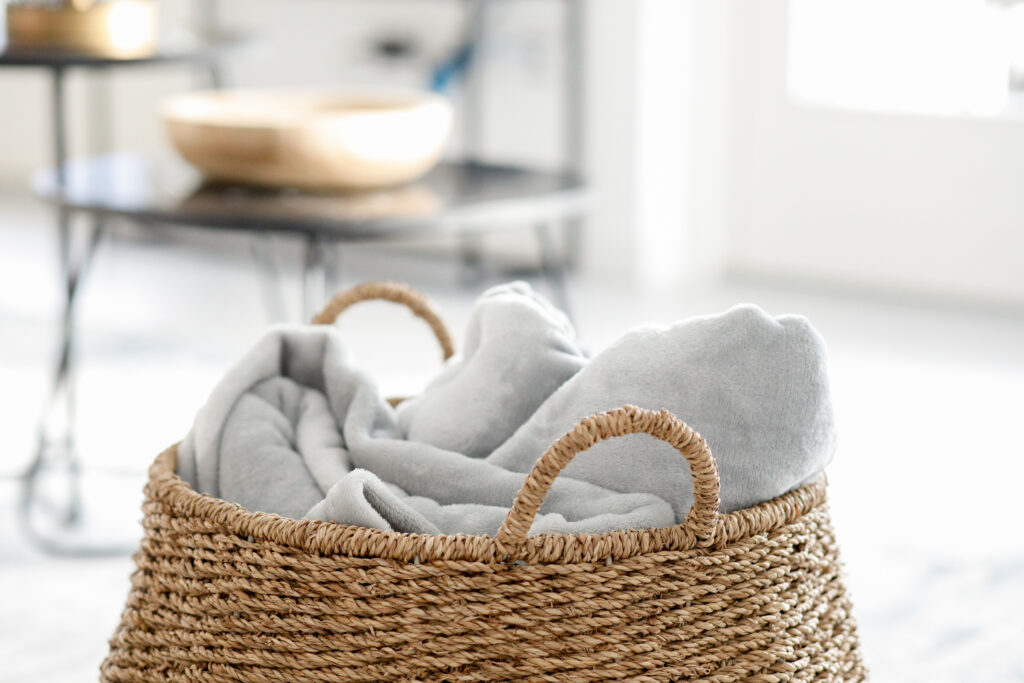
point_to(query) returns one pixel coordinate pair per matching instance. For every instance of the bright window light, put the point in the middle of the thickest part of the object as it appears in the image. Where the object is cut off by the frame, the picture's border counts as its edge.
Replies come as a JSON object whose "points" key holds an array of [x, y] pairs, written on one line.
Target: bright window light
{"points": [[944, 57]]}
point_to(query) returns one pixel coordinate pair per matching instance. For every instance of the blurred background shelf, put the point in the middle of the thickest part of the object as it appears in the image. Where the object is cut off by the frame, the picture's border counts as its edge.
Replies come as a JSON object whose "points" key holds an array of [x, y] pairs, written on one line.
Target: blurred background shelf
{"points": [[204, 48]]}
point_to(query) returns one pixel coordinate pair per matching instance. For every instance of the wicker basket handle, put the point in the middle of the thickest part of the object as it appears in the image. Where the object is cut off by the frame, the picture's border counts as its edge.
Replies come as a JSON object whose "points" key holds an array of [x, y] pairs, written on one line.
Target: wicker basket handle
{"points": [[395, 292], [703, 516]]}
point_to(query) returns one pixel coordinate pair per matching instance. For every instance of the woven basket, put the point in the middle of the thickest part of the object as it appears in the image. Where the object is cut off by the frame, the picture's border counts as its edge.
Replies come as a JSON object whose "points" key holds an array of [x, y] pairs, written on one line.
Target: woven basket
{"points": [[223, 594]]}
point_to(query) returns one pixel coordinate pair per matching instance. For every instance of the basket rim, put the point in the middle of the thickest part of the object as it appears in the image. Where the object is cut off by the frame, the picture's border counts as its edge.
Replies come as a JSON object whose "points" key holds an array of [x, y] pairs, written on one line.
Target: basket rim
{"points": [[332, 538]]}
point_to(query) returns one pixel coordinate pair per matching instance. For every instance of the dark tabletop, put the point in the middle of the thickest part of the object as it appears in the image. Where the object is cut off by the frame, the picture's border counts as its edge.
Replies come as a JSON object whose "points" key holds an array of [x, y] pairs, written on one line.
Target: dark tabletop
{"points": [[183, 47], [455, 196]]}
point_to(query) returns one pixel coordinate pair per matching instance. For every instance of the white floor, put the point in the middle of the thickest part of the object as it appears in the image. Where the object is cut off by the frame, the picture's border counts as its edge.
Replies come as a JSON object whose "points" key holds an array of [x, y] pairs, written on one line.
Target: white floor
{"points": [[924, 490]]}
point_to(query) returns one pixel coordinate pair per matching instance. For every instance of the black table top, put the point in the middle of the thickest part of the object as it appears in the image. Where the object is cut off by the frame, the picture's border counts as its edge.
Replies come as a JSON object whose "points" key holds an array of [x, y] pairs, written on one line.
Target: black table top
{"points": [[455, 196], [184, 47]]}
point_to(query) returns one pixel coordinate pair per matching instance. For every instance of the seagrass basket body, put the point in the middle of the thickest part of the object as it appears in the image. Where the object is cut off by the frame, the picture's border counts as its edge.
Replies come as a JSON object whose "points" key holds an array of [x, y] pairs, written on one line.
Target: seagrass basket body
{"points": [[224, 594]]}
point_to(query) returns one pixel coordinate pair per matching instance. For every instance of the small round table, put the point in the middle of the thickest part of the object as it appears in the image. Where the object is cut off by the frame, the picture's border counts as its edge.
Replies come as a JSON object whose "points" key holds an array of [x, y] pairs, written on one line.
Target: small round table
{"points": [[459, 198], [456, 198]]}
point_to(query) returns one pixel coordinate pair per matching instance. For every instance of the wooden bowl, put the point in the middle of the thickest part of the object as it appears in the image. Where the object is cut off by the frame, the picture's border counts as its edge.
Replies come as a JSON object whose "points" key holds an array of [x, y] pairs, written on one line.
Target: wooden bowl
{"points": [[349, 140], [116, 28]]}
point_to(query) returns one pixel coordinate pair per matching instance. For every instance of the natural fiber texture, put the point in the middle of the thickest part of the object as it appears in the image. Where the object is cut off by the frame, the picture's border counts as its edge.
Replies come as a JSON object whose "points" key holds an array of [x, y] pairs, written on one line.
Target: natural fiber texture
{"points": [[628, 420], [395, 292], [222, 594]]}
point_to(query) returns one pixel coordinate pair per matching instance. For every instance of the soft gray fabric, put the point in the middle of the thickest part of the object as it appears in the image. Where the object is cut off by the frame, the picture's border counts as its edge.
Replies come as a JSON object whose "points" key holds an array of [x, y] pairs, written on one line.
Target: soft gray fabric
{"points": [[297, 429], [264, 440], [755, 387], [518, 350]]}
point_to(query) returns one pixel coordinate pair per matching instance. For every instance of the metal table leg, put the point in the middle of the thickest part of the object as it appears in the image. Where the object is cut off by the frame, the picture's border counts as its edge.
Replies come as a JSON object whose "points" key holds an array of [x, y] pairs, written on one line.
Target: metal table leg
{"points": [[50, 448], [55, 447], [261, 246], [471, 260], [332, 270], [314, 276], [553, 267], [56, 452], [320, 274]]}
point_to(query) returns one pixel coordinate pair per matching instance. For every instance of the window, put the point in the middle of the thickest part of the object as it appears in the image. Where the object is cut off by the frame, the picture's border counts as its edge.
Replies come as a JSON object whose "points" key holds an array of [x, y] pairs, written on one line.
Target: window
{"points": [[942, 57]]}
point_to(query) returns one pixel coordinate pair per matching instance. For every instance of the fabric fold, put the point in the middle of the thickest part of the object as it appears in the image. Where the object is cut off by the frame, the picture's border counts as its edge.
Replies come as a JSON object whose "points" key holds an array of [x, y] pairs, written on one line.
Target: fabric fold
{"points": [[518, 349], [754, 386], [296, 428]]}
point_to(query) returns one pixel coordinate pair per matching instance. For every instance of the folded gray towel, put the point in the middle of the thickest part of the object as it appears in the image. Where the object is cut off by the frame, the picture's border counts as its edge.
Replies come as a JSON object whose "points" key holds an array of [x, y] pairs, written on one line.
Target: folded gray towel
{"points": [[297, 429]]}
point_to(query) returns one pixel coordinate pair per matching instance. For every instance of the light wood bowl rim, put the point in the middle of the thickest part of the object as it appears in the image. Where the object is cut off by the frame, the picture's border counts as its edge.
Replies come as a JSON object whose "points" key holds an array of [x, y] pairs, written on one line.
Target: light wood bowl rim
{"points": [[194, 108]]}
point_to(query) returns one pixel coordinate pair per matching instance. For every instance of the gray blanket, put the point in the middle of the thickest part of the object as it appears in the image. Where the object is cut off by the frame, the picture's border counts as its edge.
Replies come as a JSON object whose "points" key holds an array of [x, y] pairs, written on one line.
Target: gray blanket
{"points": [[297, 429]]}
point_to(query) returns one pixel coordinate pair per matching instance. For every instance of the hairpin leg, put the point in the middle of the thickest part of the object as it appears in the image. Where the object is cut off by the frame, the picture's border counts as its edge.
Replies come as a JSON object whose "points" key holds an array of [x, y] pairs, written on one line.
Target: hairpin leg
{"points": [[553, 267]]}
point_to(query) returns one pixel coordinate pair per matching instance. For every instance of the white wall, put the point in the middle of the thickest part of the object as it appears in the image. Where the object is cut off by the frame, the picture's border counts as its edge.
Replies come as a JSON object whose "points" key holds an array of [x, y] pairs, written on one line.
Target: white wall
{"points": [[923, 206], [661, 122]]}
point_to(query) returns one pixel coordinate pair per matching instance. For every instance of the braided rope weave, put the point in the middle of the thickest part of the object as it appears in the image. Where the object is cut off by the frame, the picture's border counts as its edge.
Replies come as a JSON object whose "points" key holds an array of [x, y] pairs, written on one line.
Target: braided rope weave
{"points": [[223, 594]]}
